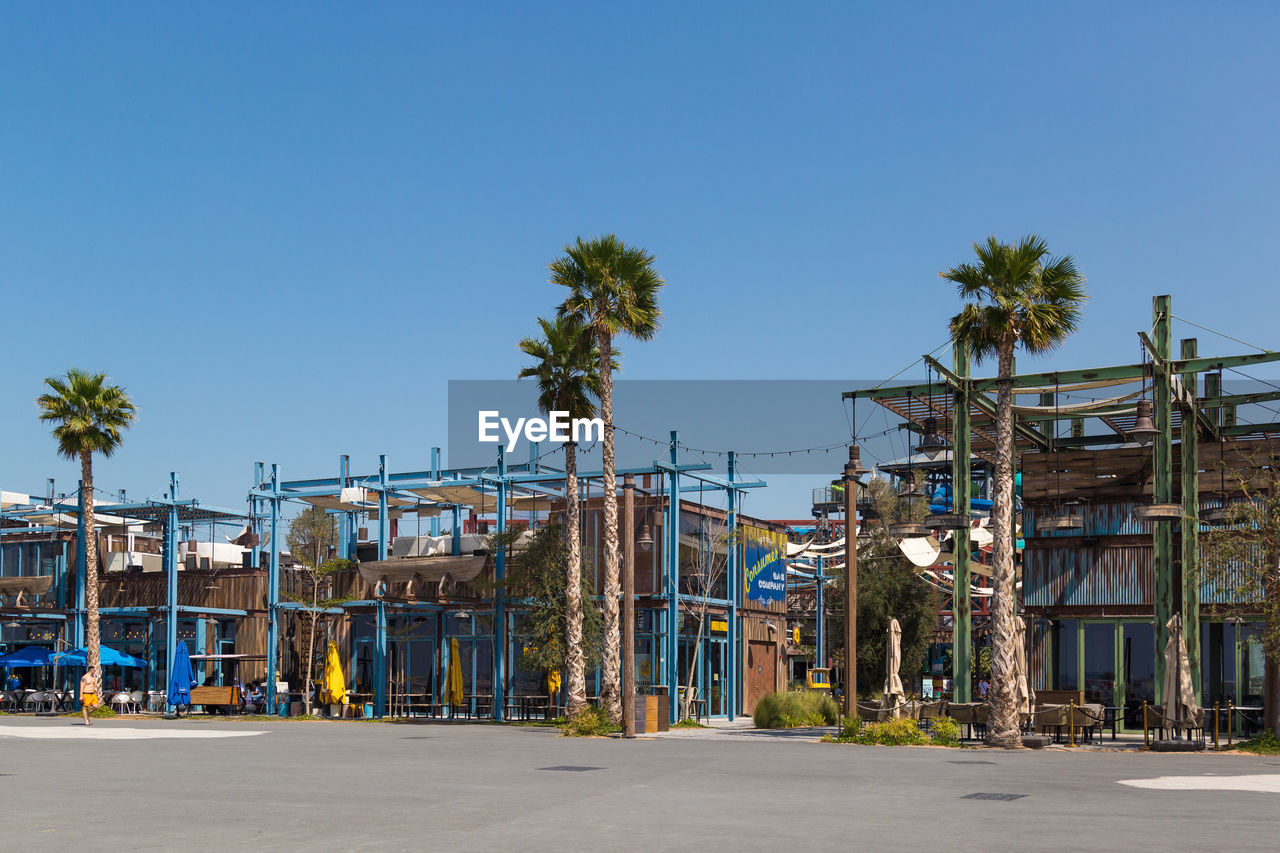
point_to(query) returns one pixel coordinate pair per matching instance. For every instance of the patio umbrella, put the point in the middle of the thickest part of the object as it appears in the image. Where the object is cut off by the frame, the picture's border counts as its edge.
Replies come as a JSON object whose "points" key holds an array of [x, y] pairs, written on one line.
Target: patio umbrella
{"points": [[107, 656], [335, 686], [454, 693], [181, 678], [1180, 709], [893, 697], [553, 682], [1021, 685], [29, 656]]}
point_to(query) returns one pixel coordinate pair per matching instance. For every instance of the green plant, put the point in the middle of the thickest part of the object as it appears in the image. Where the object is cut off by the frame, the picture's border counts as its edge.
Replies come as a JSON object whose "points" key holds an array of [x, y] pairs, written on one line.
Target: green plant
{"points": [[102, 712], [592, 721], [689, 723], [790, 710], [1264, 743], [945, 732], [613, 290], [1016, 295], [901, 732]]}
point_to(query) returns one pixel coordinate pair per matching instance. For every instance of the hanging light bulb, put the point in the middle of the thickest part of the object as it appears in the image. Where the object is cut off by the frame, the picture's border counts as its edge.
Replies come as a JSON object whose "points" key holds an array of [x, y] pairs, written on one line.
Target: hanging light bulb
{"points": [[1144, 428]]}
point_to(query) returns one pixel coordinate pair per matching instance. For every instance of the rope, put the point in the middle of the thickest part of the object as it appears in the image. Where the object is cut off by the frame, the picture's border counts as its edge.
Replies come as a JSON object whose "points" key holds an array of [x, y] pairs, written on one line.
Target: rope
{"points": [[1221, 334]]}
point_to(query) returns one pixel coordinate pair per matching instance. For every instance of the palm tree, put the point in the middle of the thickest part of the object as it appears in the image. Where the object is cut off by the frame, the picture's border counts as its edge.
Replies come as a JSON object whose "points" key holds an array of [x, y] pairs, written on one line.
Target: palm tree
{"points": [[1017, 295], [567, 369], [613, 289], [89, 416]]}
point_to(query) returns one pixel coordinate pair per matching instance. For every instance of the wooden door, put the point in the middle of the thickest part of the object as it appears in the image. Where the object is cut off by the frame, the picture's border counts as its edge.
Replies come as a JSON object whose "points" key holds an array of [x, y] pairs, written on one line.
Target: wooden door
{"points": [[762, 671]]}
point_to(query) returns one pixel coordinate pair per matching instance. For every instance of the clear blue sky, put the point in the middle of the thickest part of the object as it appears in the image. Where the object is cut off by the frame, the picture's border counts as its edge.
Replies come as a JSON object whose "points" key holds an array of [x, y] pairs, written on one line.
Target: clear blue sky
{"points": [[285, 229]]}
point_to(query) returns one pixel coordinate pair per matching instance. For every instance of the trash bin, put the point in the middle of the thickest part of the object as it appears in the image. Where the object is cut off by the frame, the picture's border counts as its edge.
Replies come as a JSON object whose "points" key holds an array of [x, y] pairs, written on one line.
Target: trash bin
{"points": [[282, 707], [368, 710]]}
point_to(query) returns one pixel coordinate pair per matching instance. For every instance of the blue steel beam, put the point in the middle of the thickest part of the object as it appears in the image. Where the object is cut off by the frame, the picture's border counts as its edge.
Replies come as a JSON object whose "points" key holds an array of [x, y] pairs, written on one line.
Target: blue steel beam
{"points": [[500, 599], [671, 556], [273, 590], [170, 559], [731, 567]]}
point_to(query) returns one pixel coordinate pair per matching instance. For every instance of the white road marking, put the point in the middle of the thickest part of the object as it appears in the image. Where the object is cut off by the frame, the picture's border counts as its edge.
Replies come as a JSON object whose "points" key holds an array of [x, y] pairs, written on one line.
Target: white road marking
{"points": [[1264, 783], [101, 732]]}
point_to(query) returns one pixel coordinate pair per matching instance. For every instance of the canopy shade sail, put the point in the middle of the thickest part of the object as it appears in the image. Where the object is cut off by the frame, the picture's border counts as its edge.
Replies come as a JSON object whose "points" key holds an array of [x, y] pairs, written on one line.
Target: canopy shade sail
{"points": [[462, 495]]}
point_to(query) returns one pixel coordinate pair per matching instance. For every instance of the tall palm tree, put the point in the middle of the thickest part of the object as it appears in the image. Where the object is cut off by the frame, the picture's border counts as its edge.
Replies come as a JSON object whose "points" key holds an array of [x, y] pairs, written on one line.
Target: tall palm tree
{"points": [[1018, 296], [90, 416], [613, 290], [567, 369]]}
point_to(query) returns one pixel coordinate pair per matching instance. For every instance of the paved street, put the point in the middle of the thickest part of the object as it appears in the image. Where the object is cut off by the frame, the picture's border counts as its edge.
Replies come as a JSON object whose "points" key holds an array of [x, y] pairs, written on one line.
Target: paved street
{"points": [[146, 784]]}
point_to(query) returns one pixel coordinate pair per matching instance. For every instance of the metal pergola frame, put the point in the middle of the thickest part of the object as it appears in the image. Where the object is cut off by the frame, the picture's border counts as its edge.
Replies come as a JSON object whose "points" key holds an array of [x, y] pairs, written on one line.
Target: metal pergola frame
{"points": [[968, 403], [504, 481]]}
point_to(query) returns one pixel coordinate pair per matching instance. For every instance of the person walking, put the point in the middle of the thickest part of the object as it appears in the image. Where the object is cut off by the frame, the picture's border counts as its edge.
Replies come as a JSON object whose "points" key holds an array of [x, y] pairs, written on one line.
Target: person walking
{"points": [[89, 688]]}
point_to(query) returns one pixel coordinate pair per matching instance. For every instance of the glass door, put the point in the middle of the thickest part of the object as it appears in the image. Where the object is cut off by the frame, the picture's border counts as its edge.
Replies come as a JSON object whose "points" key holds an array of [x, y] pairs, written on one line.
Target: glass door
{"points": [[1098, 659], [1138, 650]]}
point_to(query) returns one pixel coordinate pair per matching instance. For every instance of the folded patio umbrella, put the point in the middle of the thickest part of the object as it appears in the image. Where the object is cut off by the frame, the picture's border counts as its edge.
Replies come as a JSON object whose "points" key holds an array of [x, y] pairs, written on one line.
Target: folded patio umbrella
{"points": [[1180, 709], [893, 696], [335, 686], [181, 678], [454, 694], [29, 656], [1021, 686]]}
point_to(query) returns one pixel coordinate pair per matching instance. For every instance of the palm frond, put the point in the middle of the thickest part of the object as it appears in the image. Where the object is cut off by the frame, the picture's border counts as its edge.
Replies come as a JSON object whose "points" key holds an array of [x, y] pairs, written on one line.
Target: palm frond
{"points": [[89, 414]]}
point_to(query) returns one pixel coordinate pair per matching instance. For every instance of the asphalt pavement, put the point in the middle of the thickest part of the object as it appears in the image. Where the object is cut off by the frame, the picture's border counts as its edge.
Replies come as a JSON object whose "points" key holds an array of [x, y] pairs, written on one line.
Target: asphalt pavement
{"points": [[149, 784]]}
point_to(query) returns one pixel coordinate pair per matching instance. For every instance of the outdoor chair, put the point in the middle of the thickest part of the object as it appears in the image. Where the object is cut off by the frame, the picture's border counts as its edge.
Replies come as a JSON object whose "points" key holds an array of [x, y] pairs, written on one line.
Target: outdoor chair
{"points": [[34, 701], [120, 703], [137, 698]]}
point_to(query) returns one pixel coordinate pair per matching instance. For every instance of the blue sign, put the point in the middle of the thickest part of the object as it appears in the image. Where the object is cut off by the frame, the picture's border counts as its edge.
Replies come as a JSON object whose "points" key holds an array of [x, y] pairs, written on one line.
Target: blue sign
{"points": [[766, 572]]}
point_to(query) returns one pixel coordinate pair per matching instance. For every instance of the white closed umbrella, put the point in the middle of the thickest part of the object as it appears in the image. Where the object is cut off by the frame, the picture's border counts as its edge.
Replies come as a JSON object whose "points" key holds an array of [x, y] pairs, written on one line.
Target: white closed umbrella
{"points": [[1021, 684], [893, 696], [1180, 708]]}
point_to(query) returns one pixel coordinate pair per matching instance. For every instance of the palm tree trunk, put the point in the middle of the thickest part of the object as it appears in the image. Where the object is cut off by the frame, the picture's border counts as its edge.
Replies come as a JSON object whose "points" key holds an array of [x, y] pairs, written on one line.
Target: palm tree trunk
{"points": [[93, 634], [1002, 723], [611, 666], [574, 652], [1270, 658]]}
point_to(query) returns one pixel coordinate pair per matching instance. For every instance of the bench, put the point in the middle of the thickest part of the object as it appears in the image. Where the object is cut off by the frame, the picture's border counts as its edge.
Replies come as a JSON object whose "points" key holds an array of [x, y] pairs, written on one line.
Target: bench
{"points": [[227, 698]]}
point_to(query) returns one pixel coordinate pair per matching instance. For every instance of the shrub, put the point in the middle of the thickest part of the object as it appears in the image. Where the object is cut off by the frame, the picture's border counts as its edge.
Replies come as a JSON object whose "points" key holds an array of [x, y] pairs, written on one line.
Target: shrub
{"points": [[902, 732], [592, 721], [946, 732], [1264, 743], [102, 712], [789, 710]]}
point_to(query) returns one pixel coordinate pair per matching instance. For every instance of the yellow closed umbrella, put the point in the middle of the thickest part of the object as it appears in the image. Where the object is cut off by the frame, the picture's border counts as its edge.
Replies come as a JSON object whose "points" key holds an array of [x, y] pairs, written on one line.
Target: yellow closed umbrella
{"points": [[553, 682], [335, 686], [454, 694]]}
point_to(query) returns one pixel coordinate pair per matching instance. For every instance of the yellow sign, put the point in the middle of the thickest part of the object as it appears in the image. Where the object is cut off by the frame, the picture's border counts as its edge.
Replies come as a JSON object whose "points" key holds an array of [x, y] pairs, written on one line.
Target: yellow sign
{"points": [[720, 626]]}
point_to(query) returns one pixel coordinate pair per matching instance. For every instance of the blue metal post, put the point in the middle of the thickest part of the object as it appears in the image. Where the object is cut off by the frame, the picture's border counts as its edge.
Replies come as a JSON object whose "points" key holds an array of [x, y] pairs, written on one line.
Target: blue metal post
{"points": [[672, 559], [731, 569], [81, 544], [255, 554], [819, 654], [435, 475], [455, 537], [273, 591], [171, 572], [383, 524], [380, 660], [500, 598], [345, 521]]}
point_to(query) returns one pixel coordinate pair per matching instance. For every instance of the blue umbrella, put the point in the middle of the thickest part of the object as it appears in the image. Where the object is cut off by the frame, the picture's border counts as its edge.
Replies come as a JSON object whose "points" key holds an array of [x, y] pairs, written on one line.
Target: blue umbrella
{"points": [[107, 655], [29, 656], [181, 679]]}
